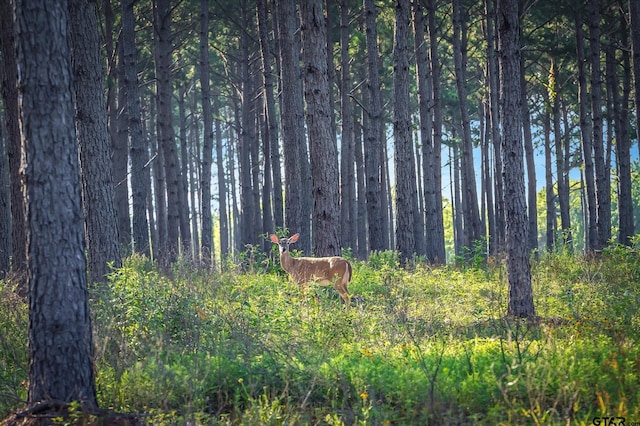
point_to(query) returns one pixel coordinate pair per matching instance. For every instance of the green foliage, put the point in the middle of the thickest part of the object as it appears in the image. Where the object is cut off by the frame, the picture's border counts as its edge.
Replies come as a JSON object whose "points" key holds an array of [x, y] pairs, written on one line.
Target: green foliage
{"points": [[420, 345]]}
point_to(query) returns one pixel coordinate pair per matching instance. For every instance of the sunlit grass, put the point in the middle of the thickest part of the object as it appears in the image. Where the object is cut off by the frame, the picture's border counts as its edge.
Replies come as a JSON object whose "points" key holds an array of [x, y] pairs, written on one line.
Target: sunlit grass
{"points": [[420, 345]]}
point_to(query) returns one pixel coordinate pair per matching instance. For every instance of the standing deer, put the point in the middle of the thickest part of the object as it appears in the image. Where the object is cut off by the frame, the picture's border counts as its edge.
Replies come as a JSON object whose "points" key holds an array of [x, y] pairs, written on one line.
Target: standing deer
{"points": [[334, 271]]}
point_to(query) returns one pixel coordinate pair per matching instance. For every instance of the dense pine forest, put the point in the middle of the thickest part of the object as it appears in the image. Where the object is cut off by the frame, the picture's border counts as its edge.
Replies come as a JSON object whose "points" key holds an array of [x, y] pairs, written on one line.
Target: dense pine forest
{"points": [[475, 163], [218, 132]]}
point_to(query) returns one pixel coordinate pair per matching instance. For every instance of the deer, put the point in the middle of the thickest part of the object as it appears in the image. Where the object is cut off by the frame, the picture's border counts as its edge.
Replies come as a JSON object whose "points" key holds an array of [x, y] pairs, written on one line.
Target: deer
{"points": [[335, 270]]}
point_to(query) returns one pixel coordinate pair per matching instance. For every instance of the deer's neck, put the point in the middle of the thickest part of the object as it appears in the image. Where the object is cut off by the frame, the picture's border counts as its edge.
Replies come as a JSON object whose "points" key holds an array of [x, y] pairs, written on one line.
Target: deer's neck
{"points": [[287, 261]]}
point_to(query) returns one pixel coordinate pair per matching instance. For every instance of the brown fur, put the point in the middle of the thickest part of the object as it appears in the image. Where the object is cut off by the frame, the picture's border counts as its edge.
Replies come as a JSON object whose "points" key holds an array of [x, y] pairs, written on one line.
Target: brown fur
{"points": [[334, 270]]}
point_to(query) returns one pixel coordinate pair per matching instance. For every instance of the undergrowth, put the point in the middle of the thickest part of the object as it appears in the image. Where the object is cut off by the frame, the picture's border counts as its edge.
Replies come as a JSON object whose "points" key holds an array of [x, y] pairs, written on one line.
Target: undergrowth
{"points": [[420, 345]]}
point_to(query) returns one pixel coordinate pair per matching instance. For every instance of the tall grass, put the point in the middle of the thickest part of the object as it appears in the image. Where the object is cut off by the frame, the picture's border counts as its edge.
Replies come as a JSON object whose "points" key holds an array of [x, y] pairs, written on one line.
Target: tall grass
{"points": [[419, 346]]}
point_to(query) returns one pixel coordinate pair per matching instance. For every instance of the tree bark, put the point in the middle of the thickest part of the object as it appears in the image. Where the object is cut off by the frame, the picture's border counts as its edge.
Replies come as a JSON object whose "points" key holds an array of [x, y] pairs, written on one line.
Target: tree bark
{"points": [[18, 233], [138, 149], [297, 207], [372, 141], [347, 158], [473, 229], [405, 172], [166, 137], [520, 303], [591, 229], [60, 337], [207, 144], [602, 178], [270, 110], [322, 145], [95, 153], [436, 239]]}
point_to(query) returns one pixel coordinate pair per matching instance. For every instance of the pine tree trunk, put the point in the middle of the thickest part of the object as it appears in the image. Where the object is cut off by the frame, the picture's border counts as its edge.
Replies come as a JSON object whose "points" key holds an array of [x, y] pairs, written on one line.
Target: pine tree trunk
{"points": [[437, 239], [138, 149], [222, 183], [532, 191], [372, 142], [550, 196], [623, 140], [520, 303], [405, 173], [292, 118], [602, 178], [95, 153], [17, 238], [497, 239], [473, 229], [634, 23], [270, 110], [183, 183], [166, 137], [60, 337], [591, 229], [347, 171], [322, 145], [207, 144]]}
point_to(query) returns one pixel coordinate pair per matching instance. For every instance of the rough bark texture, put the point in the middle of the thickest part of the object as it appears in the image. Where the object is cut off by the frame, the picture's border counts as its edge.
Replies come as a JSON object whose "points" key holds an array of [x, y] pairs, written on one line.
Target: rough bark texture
{"points": [[10, 102], [372, 143], [322, 145], [138, 150], [602, 178], [520, 302], [292, 115], [406, 192], [436, 238], [60, 338], [95, 153], [347, 158], [473, 229], [166, 137], [207, 146], [270, 109]]}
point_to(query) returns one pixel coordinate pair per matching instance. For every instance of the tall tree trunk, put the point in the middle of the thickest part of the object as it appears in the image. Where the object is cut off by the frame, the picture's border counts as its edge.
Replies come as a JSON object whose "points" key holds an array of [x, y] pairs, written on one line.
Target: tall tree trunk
{"points": [[634, 23], [603, 182], [292, 117], [5, 208], [95, 153], [623, 140], [14, 151], [473, 229], [183, 183], [195, 154], [425, 105], [405, 173], [117, 133], [437, 239], [520, 303], [347, 171], [270, 110], [166, 140], [222, 183], [247, 138], [591, 230], [563, 151], [120, 148], [322, 145], [497, 240], [60, 336], [207, 145], [550, 196], [372, 141], [532, 191], [138, 149]]}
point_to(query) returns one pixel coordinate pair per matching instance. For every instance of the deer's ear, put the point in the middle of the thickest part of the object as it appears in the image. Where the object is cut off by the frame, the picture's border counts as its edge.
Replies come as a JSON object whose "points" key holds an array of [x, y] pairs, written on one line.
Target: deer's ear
{"points": [[274, 239], [294, 238]]}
